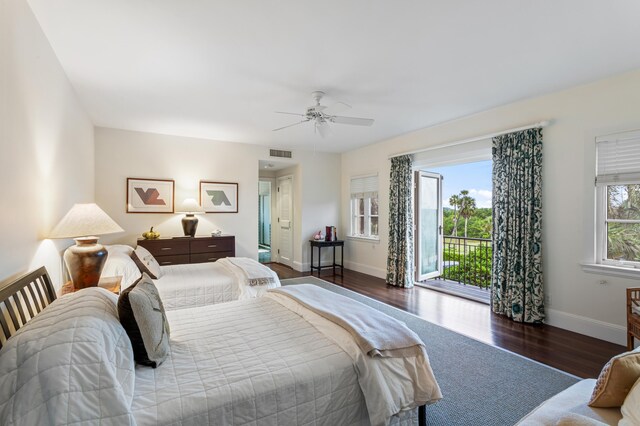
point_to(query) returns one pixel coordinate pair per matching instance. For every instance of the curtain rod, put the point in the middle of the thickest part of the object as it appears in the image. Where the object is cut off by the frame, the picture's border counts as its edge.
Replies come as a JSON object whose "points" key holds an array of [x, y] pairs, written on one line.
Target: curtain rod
{"points": [[475, 139]]}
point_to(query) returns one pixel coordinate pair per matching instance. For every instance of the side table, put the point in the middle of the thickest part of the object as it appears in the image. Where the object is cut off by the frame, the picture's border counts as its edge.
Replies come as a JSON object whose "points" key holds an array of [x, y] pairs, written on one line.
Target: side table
{"points": [[108, 283], [320, 244]]}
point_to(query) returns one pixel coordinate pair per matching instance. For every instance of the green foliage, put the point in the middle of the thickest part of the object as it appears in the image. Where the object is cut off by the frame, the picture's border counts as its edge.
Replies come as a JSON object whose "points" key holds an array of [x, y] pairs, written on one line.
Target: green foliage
{"points": [[479, 225], [470, 260], [623, 239], [470, 265]]}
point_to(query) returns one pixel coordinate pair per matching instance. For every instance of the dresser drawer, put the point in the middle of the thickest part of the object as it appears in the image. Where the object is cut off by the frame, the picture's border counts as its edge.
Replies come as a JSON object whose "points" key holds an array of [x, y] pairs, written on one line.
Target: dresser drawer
{"points": [[210, 257], [173, 260], [212, 245], [166, 247]]}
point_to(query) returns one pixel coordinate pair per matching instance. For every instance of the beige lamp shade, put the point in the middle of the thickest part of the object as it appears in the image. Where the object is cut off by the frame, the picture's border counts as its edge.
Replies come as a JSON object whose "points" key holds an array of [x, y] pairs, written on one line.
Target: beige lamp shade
{"points": [[190, 205], [84, 220], [86, 258]]}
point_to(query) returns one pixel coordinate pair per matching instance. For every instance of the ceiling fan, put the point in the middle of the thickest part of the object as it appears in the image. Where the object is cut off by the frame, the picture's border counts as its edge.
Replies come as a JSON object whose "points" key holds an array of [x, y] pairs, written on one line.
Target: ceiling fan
{"points": [[321, 116]]}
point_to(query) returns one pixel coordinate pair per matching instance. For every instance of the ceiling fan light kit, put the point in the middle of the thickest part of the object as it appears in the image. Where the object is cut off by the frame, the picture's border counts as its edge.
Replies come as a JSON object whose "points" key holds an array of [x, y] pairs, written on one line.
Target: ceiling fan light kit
{"points": [[322, 115]]}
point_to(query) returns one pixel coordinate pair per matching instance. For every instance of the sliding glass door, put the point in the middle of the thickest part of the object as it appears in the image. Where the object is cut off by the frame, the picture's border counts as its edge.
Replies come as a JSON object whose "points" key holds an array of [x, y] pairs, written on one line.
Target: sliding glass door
{"points": [[428, 221]]}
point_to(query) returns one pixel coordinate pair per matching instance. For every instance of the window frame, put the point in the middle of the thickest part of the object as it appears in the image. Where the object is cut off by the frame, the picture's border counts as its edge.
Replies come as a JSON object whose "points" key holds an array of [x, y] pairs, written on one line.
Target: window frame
{"points": [[602, 220], [355, 213], [355, 217]]}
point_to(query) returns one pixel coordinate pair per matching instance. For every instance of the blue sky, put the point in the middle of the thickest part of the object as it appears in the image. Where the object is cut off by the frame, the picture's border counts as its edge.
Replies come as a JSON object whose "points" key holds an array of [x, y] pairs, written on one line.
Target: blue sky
{"points": [[474, 177]]}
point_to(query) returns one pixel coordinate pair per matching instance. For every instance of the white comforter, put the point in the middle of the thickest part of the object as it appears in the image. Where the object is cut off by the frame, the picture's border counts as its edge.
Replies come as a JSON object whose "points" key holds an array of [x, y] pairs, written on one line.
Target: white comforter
{"points": [[201, 284], [248, 362], [71, 364], [268, 361]]}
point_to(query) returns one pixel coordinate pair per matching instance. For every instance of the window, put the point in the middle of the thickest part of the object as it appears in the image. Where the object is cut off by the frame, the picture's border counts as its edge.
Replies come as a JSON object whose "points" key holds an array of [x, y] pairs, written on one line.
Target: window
{"points": [[618, 200], [364, 207]]}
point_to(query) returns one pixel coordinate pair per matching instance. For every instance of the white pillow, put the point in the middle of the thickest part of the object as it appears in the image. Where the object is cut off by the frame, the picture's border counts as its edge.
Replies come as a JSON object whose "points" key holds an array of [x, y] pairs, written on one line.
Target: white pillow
{"points": [[631, 407], [71, 364], [120, 248], [120, 263], [146, 262]]}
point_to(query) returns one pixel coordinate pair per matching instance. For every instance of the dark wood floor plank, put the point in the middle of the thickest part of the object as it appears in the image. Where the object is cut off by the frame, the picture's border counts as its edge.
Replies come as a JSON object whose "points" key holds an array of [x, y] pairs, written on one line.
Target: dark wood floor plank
{"points": [[574, 353]]}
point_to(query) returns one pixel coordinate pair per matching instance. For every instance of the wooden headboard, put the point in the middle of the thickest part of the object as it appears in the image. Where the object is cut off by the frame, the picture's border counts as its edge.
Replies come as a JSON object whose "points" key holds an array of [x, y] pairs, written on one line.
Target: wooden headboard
{"points": [[22, 299]]}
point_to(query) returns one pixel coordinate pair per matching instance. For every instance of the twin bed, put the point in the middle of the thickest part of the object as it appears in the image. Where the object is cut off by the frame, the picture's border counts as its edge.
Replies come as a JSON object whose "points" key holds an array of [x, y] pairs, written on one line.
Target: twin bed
{"points": [[191, 285], [271, 360]]}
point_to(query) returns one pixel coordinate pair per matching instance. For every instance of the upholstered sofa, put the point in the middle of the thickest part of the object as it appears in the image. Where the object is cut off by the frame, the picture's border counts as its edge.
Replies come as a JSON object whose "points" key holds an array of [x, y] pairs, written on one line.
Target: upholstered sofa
{"points": [[613, 399], [572, 400]]}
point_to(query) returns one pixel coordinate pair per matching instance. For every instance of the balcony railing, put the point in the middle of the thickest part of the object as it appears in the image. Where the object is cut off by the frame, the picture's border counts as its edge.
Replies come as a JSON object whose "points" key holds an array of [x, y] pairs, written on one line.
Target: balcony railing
{"points": [[467, 261]]}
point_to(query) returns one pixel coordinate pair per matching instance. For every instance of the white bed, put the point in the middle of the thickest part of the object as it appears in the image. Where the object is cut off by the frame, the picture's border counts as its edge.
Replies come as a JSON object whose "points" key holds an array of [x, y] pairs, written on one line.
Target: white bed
{"points": [[265, 361], [189, 285], [256, 364]]}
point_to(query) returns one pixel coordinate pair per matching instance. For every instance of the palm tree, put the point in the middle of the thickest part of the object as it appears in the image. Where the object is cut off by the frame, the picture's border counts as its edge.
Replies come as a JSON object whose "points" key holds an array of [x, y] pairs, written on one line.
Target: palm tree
{"points": [[467, 208], [454, 201]]}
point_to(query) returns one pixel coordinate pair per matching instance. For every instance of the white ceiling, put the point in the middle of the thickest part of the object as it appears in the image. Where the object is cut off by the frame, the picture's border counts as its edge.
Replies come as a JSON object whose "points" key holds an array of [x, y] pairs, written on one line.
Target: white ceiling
{"points": [[219, 69]]}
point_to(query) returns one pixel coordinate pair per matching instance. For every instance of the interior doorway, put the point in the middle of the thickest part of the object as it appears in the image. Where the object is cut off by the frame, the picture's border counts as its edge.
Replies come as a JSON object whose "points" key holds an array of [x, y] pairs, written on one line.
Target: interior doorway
{"points": [[276, 194], [284, 202], [265, 191]]}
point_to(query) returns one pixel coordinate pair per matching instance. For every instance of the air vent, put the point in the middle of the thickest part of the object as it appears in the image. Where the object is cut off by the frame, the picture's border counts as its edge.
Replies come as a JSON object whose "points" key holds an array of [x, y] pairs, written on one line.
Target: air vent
{"points": [[279, 153]]}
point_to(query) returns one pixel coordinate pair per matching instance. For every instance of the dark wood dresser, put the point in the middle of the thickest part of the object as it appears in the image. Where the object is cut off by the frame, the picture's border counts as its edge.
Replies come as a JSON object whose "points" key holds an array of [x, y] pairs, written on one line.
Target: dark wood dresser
{"points": [[173, 251]]}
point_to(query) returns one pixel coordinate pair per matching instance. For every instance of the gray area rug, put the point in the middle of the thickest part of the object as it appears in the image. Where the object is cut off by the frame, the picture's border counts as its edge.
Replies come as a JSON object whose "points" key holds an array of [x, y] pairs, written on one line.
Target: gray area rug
{"points": [[482, 385]]}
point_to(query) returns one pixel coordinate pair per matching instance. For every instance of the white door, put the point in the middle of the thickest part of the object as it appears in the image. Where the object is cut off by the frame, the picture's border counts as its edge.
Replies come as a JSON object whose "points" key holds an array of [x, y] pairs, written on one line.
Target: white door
{"points": [[428, 221], [285, 220]]}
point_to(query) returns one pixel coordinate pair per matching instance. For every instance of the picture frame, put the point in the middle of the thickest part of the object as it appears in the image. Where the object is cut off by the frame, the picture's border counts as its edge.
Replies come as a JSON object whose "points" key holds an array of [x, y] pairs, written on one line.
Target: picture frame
{"points": [[219, 197], [150, 195]]}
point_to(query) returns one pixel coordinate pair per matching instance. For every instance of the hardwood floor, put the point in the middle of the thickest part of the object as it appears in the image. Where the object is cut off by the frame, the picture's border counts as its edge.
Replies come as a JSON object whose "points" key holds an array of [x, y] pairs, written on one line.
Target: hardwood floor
{"points": [[574, 353]]}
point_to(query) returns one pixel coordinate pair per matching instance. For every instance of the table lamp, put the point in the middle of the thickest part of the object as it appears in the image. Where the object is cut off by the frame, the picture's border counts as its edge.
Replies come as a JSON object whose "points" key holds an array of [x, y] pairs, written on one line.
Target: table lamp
{"points": [[86, 258], [190, 223]]}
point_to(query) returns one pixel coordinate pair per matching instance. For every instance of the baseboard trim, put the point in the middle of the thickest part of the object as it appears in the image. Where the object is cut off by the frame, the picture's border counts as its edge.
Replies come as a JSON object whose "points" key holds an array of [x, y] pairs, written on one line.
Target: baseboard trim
{"points": [[366, 269], [588, 326]]}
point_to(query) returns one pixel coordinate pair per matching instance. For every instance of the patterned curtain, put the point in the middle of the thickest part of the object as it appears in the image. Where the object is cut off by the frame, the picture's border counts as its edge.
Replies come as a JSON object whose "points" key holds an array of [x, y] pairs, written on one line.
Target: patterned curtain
{"points": [[516, 279], [400, 260]]}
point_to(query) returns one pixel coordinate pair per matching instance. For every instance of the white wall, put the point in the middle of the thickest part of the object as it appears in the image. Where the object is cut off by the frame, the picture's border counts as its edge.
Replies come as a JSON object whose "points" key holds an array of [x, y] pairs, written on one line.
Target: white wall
{"points": [[578, 301], [46, 146], [121, 154]]}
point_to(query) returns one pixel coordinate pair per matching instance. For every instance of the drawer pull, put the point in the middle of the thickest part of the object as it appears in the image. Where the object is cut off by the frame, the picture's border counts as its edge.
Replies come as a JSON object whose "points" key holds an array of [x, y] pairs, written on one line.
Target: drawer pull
{"points": [[166, 263], [166, 248], [212, 258], [212, 246]]}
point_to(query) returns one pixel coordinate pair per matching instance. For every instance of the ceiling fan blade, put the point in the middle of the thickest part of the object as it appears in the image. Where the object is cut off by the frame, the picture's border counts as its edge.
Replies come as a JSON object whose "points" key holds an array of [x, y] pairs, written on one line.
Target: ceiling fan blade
{"points": [[323, 129], [336, 108], [289, 113], [290, 125], [352, 120]]}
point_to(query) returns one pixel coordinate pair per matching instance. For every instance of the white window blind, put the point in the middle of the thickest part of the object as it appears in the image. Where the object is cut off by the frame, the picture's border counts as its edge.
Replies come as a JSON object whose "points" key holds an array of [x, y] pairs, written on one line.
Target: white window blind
{"points": [[364, 186], [618, 158]]}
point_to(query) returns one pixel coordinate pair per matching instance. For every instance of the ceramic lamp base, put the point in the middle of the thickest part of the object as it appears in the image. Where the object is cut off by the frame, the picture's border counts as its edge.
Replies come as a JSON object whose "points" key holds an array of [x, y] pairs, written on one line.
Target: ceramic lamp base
{"points": [[189, 225], [85, 261]]}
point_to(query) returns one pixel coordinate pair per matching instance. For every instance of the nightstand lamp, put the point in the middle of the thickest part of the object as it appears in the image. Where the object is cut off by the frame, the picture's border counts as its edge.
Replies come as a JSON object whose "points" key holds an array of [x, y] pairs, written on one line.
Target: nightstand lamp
{"points": [[85, 260], [190, 223]]}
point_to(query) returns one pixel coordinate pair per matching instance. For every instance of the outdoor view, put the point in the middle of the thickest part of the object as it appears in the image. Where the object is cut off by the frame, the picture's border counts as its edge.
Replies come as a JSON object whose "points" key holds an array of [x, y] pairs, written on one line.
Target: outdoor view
{"points": [[623, 222], [467, 222]]}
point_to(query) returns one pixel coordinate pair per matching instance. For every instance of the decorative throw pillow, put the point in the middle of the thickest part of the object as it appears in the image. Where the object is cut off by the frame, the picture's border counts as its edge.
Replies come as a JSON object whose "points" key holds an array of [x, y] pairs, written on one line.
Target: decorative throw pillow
{"points": [[616, 379], [119, 263], [146, 262], [142, 315], [631, 407]]}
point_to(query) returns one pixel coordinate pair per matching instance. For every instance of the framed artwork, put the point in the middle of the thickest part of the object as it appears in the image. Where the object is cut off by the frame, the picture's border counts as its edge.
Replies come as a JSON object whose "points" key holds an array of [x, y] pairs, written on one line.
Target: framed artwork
{"points": [[219, 197], [150, 195]]}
